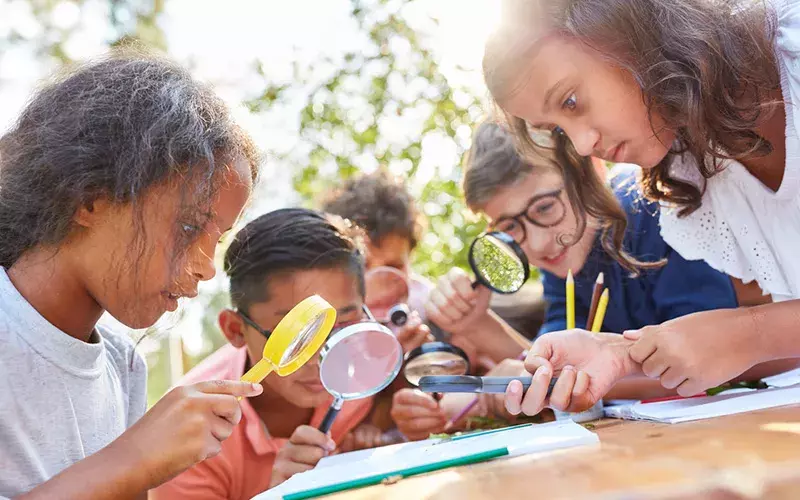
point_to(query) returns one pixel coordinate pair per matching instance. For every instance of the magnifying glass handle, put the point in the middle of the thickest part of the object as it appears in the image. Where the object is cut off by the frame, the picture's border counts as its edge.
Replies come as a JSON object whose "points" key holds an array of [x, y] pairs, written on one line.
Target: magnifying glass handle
{"points": [[437, 332], [468, 383], [330, 416]]}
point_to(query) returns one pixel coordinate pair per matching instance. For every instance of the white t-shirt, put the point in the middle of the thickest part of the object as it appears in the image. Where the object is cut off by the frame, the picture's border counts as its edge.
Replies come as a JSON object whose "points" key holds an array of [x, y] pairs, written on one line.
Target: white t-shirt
{"points": [[743, 228], [61, 399]]}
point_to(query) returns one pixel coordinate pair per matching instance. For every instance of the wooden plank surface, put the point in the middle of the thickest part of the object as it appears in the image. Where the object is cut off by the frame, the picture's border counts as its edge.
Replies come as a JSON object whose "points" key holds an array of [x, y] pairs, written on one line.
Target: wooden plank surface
{"points": [[751, 455]]}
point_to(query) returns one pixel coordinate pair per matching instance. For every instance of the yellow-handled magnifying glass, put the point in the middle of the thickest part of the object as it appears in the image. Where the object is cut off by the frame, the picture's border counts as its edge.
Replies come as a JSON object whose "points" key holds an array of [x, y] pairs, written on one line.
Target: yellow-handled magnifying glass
{"points": [[298, 336]]}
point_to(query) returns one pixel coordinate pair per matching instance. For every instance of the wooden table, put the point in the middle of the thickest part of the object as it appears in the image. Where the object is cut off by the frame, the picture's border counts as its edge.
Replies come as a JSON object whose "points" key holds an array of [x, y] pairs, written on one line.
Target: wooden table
{"points": [[746, 456]]}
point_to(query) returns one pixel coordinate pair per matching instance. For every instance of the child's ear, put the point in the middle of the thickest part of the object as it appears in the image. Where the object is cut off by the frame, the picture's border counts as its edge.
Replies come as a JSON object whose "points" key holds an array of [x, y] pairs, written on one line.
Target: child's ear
{"points": [[89, 213], [231, 325]]}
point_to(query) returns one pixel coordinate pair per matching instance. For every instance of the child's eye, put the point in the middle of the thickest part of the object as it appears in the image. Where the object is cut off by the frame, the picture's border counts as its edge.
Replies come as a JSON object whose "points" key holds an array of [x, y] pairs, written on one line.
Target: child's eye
{"points": [[190, 229], [570, 103]]}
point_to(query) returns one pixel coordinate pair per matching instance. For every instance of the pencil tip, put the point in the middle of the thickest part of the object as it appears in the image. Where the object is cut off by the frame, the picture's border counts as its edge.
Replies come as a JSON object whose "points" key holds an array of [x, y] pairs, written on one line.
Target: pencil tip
{"points": [[600, 279]]}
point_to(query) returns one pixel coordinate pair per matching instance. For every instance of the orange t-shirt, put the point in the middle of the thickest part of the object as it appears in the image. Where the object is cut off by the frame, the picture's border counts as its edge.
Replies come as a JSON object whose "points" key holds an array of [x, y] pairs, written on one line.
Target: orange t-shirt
{"points": [[244, 466]]}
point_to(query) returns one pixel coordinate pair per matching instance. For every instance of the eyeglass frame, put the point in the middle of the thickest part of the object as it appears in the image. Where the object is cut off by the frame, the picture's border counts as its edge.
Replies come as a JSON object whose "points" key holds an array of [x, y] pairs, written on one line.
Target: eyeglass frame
{"points": [[266, 333], [523, 216]]}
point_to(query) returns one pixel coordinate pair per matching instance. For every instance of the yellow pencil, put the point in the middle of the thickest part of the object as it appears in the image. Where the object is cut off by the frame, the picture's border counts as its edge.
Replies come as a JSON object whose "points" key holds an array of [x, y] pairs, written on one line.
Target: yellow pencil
{"points": [[570, 301], [601, 312]]}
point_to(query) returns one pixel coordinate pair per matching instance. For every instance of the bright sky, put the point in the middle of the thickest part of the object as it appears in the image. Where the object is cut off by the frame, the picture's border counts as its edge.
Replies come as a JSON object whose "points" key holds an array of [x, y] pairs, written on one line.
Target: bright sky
{"points": [[220, 41]]}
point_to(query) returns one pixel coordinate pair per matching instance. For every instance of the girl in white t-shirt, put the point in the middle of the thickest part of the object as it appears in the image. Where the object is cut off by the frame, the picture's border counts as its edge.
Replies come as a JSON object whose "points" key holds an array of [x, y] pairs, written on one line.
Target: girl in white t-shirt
{"points": [[700, 94], [116, 183]]}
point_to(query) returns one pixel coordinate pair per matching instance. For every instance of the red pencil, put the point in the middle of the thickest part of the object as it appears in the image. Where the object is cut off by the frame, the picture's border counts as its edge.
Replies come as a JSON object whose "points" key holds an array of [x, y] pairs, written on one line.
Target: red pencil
{"points": [[672, 398]]}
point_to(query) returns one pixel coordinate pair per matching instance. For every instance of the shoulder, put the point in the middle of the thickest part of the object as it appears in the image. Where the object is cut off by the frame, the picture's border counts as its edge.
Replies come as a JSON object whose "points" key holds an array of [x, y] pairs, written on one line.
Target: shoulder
{"points": [[122, 351]]}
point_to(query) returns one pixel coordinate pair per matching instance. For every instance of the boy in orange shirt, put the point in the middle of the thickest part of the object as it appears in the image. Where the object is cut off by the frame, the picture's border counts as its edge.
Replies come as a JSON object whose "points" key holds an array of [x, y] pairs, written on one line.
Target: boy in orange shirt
{"points": [[275, 262]]}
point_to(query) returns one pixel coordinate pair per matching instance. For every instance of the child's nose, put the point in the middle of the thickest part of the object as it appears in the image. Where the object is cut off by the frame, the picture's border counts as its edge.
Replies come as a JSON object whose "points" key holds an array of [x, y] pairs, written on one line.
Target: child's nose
{"points": [[584, 138], [538, 240], [202, 266]]}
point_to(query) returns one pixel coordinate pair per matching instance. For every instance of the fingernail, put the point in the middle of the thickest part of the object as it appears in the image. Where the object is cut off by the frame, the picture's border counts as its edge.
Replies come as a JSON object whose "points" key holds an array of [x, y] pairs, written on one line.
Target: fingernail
{"points": [[543, 371], [330, 445], [568, 367], [257, 388]]}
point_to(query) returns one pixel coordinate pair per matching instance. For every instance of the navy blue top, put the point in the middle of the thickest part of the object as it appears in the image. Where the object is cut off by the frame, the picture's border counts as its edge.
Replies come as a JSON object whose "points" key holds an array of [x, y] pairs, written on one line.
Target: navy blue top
{"points": [[680, 287]]}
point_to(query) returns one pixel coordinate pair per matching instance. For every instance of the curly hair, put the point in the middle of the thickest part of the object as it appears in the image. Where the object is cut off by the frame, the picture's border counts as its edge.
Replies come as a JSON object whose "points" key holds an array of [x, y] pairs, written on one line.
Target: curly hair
{"points": [[706, 66], [112, 128], [380, 204]]}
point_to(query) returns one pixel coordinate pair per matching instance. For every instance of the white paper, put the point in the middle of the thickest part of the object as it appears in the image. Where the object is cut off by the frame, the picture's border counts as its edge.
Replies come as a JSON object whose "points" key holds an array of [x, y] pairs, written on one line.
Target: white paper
{"points": [[518, 441], [727, 403], [786, 379]]}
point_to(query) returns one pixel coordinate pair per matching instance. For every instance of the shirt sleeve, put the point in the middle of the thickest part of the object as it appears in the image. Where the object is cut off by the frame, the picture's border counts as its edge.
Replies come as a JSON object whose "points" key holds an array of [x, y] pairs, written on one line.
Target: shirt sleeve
{"points": [[208, 480], [682, 286]]}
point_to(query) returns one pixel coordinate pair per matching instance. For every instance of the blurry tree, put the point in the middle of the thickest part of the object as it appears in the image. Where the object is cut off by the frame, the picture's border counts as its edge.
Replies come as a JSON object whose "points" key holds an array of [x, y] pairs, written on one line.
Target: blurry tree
{"points": [[349, 117]]}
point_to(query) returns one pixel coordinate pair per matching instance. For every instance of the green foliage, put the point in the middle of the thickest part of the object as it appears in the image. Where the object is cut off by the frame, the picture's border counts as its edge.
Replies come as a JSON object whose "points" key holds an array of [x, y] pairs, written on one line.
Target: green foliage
{"points": [[393, 76]]}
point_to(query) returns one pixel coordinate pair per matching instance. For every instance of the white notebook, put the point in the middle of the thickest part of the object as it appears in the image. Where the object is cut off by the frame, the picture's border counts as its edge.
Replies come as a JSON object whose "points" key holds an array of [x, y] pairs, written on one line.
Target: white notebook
{"points": [[358, 465], [727, 403]]}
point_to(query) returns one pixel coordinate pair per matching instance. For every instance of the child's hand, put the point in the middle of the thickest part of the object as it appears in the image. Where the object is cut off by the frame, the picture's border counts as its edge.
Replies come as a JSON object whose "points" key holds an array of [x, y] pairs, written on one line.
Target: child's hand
{"points": [[186, 426], [587, 365], [305, 448], [454, 305], [414, 333], [699, 351], [363, 437], [417, 414], [493, 405]]}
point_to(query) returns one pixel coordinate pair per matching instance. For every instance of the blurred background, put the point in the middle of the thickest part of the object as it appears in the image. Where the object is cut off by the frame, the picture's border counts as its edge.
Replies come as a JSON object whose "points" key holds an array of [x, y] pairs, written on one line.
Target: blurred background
{"points": [[328, 89]]}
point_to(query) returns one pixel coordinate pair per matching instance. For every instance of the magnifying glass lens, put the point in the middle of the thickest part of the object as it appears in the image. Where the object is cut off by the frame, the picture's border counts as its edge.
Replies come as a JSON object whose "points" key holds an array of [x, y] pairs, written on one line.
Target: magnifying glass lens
{"points": [[497, 264], [360, 363], [304, 337], [435, 363], [385, 287]]}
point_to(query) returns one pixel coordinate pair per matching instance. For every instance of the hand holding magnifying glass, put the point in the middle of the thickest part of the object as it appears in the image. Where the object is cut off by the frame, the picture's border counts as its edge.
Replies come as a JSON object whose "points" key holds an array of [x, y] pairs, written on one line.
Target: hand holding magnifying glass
{"points": [[357, 362], [499, 266]]}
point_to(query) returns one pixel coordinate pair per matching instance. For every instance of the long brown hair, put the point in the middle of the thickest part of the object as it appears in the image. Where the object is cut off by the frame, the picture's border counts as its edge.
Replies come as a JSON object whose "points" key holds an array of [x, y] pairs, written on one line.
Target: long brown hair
{"points": [[707, 67]]}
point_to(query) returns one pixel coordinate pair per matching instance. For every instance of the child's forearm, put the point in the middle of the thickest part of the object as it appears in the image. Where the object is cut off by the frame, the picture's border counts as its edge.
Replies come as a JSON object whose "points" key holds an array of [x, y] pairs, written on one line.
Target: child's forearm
{"points": [[497, 339], [776, 330], [768, 369], [106, 475]]}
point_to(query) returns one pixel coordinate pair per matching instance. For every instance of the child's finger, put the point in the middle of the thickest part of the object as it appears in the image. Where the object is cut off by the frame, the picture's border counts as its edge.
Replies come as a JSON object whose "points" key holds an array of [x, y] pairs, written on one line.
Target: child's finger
{"points": [[462, 285], [454, 300], [655, 366], [229, 387], [289, 469], [513, 397], [632, 334], [535, 397], [562, 391], [307, 454], [445, 308], [415, 397], [307, 435], [225, 407], [428, 425], [581, 383], [642, 349], [672, 378], [690, 387]]}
